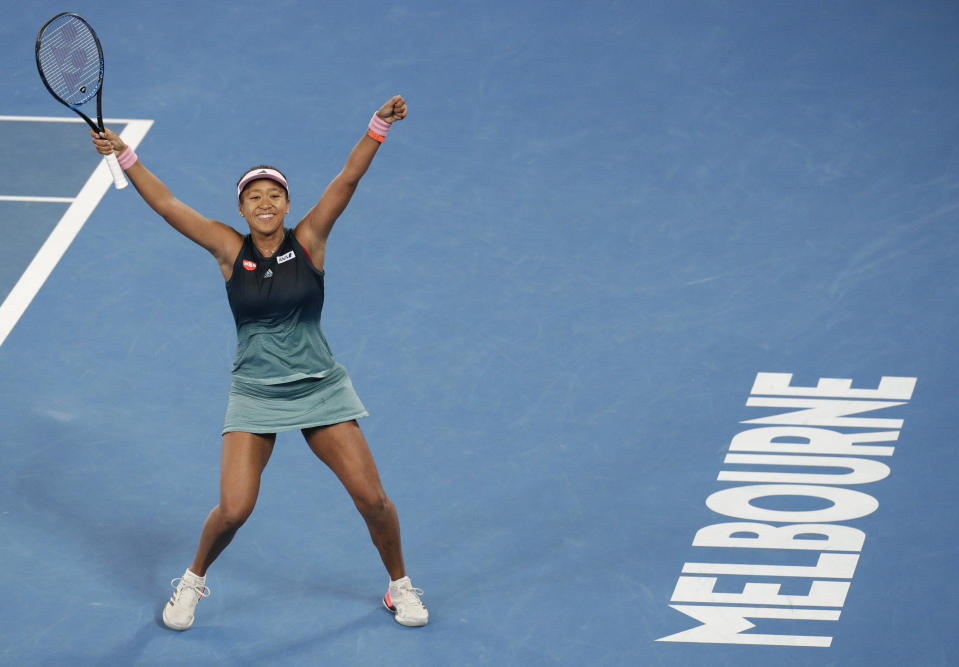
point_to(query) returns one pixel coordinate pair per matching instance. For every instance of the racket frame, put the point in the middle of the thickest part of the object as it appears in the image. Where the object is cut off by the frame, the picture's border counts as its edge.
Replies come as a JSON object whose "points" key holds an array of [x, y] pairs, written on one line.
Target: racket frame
{"points": [[119, 180]]}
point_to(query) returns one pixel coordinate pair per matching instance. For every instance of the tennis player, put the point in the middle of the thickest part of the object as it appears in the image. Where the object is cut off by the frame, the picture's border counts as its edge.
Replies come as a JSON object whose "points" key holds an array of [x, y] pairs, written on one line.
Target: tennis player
{"points": [[284, 375]]}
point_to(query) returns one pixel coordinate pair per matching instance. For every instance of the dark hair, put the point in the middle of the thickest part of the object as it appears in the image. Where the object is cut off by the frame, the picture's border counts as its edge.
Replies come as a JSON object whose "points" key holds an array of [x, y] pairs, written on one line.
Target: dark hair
{"points": [[262, 166]]}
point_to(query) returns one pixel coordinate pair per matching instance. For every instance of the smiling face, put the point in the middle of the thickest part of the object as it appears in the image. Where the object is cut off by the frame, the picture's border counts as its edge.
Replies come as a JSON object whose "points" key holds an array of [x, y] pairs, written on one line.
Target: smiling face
{"points": [[264, 203]]}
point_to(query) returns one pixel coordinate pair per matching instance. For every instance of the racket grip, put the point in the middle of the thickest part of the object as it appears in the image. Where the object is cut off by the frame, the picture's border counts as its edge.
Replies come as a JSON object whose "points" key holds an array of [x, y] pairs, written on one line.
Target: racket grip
{"points": [[119, 180]]}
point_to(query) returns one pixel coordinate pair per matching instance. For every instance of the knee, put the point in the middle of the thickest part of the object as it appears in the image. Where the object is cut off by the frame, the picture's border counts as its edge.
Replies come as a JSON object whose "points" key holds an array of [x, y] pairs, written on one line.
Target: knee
{"points": [[234, 514], [374, 506]]}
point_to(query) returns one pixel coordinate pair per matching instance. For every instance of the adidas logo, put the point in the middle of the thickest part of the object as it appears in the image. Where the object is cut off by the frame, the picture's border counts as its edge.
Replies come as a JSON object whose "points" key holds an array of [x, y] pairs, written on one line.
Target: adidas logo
{"points": [[268, 274]]}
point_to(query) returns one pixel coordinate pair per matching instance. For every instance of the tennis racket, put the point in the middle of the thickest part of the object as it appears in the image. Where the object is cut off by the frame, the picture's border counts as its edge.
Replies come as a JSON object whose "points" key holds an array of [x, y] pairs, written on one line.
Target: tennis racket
{"points": [[70, 62]]}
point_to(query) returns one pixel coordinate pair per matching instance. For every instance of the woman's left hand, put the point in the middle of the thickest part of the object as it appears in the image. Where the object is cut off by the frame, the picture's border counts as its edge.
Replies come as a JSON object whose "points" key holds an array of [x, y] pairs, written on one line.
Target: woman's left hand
{"points": [[393, 110]]}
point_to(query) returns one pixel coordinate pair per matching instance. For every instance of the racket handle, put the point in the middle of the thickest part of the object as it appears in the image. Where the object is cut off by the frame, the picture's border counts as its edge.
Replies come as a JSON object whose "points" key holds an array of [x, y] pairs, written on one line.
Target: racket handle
{"points": [[119, 180]]}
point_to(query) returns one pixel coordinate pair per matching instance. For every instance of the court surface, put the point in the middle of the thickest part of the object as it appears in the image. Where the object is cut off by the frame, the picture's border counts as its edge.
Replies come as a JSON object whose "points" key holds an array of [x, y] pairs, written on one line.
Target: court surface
{"points": [[555, 290]]}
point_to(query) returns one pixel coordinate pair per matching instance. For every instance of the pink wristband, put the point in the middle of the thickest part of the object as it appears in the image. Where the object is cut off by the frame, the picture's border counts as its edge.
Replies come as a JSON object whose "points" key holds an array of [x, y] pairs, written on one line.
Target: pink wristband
{"points": [[127, 158], [378, 128]]}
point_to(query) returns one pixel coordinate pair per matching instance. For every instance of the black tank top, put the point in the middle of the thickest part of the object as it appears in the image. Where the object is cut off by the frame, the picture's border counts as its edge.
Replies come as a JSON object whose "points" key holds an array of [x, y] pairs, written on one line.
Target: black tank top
{"points": [[277, 303]]}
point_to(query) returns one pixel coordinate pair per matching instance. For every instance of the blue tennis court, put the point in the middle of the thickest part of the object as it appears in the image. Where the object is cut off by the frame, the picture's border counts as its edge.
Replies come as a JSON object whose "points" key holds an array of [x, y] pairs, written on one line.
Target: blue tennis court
{"points": [[653, 306]]}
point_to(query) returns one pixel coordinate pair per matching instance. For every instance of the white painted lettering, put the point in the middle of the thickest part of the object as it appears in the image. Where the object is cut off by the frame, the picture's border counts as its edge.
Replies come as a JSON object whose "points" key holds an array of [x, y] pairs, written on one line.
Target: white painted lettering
{"points": [[847, 503], [802, 483], [817, 441], [824, 412], [725, 625], [864, 471], [829, 566], [828, 536], [777, 384], [700, 589]]}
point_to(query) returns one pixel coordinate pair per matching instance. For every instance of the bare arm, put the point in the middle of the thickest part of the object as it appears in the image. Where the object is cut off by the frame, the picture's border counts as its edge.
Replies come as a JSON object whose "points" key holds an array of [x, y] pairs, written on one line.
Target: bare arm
{"points": [[221, 240], [313, 231]]}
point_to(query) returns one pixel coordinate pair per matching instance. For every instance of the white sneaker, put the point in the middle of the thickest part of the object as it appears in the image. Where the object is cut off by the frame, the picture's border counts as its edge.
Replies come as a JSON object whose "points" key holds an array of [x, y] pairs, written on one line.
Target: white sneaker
{"points": [[187, 591], [404, 601]]}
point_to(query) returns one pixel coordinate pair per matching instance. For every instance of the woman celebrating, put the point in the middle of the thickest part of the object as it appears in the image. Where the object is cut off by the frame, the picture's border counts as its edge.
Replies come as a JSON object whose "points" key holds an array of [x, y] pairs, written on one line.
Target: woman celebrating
{"points": [[284, 375]]}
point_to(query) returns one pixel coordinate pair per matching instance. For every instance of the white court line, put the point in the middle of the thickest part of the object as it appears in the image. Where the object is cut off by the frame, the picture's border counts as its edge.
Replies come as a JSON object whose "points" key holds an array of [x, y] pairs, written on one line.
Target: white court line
{"points": [[59, 200], [67, 229]]}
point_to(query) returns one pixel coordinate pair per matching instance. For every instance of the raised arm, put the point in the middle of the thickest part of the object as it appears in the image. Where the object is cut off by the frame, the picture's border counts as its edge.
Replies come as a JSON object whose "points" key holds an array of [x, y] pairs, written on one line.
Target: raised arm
{"points": [[314, 229], [221, 240]]}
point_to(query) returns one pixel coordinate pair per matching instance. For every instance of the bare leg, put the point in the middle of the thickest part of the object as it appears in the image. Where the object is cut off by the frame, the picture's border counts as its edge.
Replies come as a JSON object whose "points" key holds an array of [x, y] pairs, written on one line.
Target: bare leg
{"points": [[344, 449], [243, 458]]}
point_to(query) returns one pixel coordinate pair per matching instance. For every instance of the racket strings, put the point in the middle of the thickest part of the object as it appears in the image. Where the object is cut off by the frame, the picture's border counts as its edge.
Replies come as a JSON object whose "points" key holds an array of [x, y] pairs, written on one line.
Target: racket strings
{"points": [[70, 61]]}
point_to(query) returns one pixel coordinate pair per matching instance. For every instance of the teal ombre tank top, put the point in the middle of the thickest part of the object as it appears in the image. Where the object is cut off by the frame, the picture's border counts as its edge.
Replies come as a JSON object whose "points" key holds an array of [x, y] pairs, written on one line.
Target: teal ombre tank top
{"points": [[276, 303]]}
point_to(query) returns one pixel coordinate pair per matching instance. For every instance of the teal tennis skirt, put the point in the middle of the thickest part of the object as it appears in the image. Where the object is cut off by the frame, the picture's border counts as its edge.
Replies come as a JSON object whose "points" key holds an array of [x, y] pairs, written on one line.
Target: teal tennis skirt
{"points": [[271, 408]]}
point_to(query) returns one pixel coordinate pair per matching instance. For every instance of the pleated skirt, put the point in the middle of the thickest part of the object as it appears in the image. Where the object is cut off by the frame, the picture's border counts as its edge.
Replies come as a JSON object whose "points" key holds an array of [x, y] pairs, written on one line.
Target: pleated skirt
{"points": [[271, 408]]}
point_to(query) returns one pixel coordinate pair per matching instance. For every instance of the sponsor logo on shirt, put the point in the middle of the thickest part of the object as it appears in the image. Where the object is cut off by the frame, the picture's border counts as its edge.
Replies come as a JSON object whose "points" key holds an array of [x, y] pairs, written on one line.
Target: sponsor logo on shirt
{"points": [[248, 265], [285, 258], [268, 274]]}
